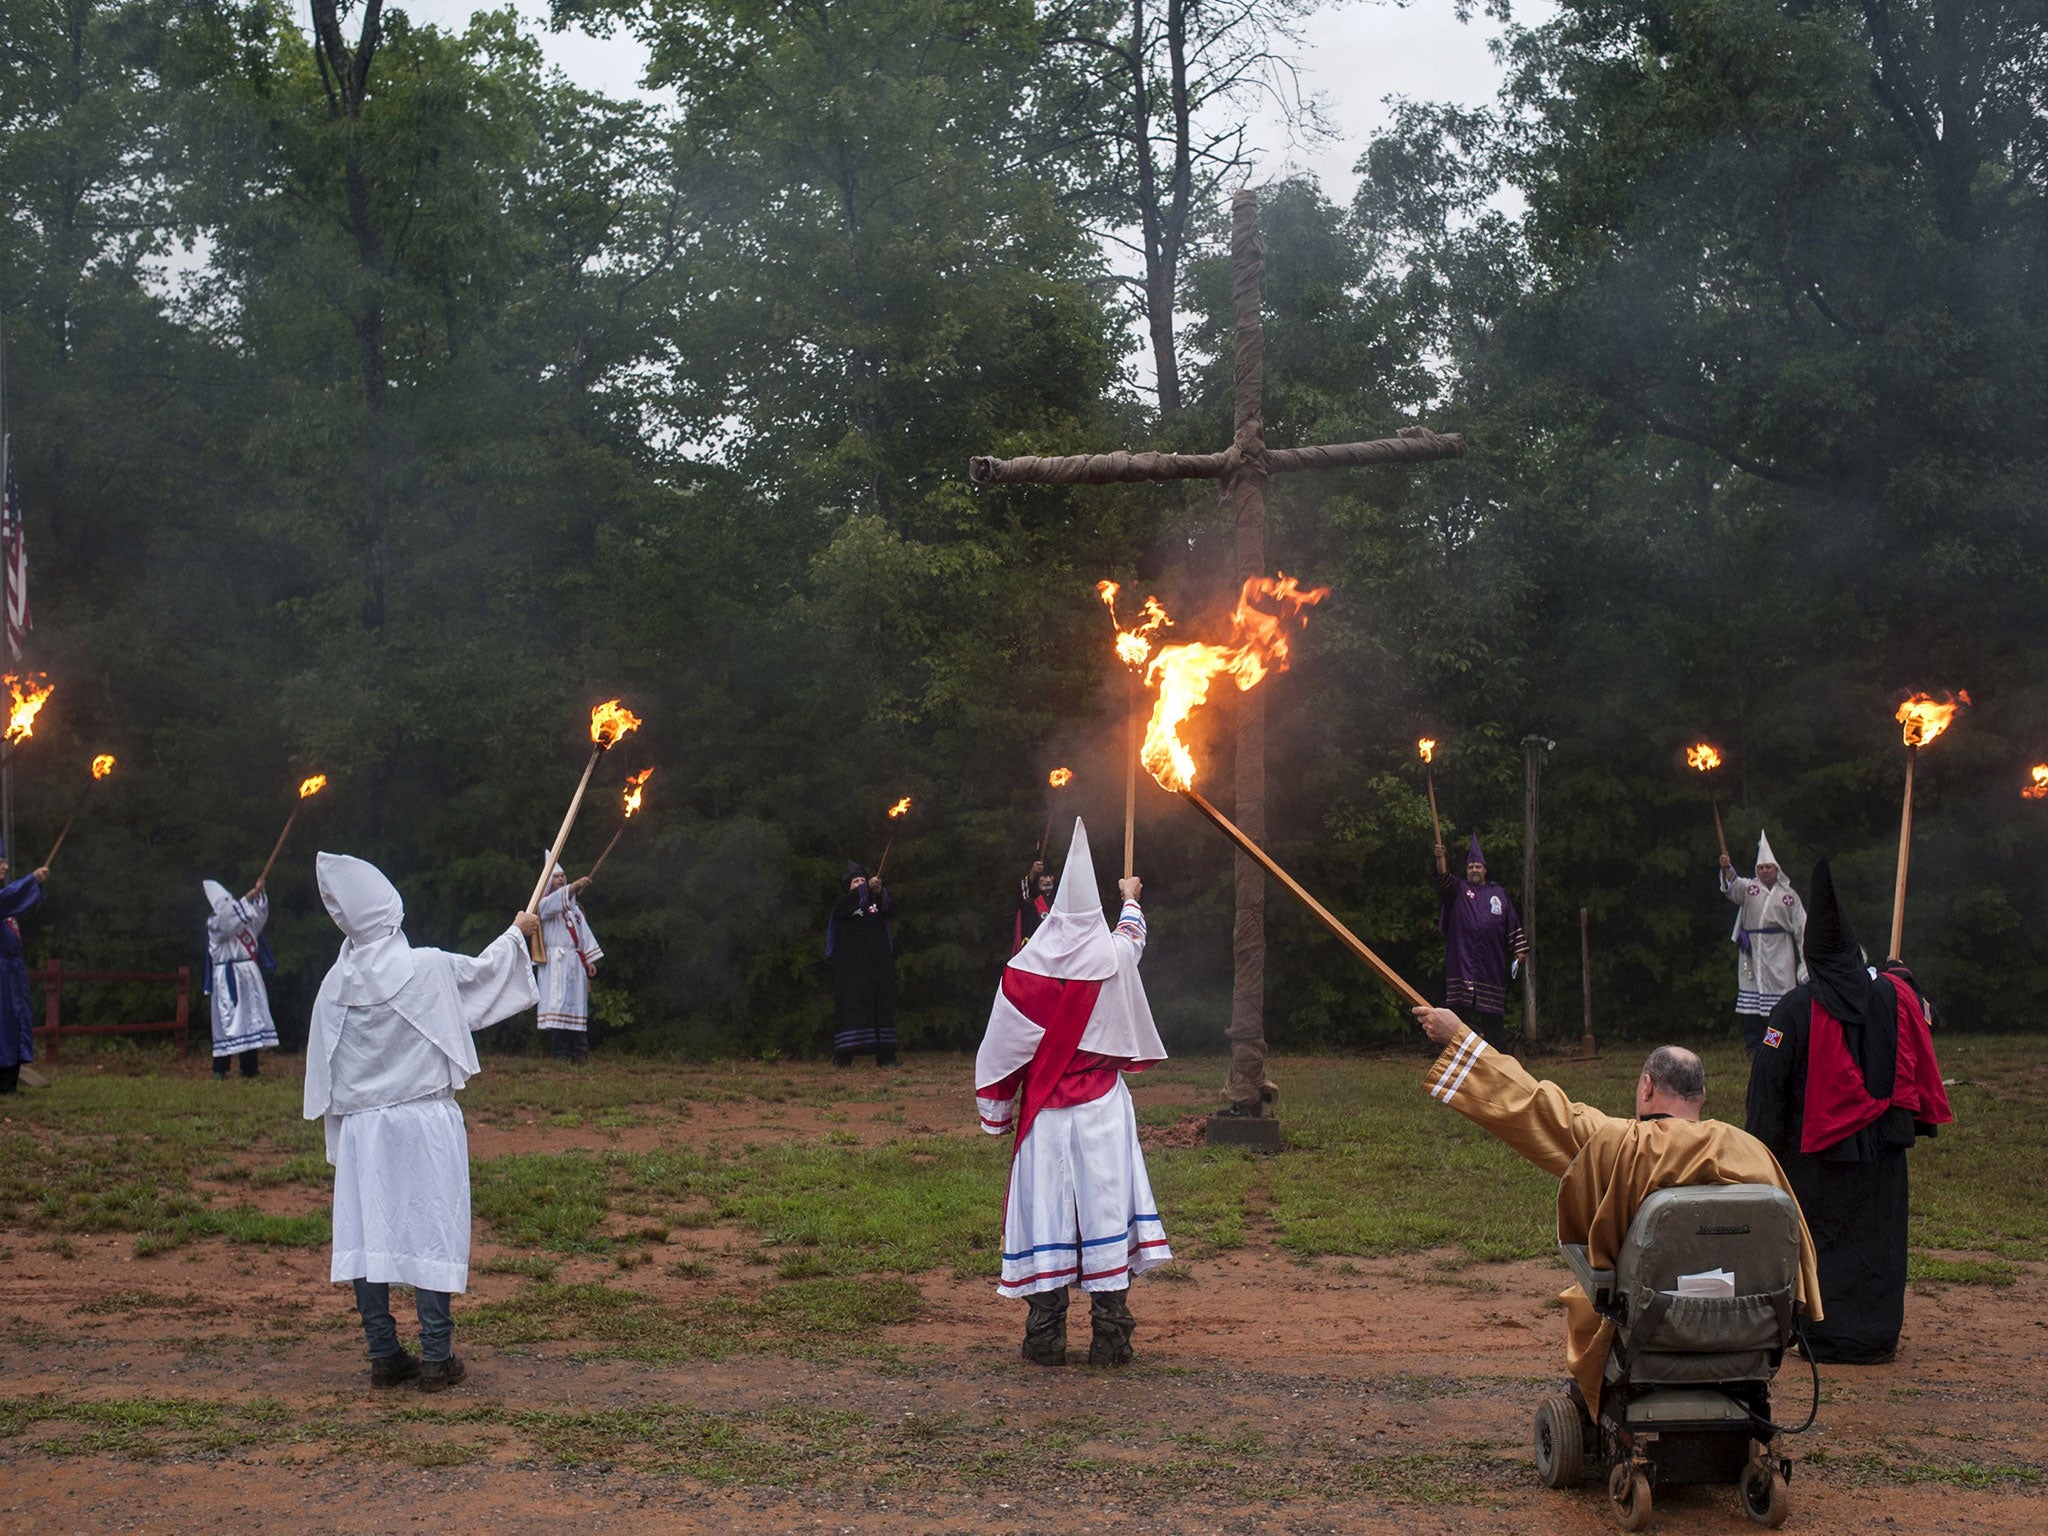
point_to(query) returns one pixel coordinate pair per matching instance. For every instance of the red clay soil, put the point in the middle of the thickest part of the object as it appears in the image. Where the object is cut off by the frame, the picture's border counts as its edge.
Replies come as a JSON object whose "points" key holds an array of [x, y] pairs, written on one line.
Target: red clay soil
{"points": [[1422, 1371]]}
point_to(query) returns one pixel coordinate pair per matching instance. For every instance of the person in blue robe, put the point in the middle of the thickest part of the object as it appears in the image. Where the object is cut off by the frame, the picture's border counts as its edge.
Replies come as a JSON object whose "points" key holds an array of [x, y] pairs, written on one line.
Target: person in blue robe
{"points": [[17, 1019]]}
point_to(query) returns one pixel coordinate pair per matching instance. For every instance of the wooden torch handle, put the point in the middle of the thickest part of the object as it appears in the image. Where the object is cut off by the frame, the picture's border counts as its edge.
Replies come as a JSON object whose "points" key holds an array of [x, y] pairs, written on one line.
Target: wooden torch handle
{"points": [[534, 947], [1131, 782], [1350, 940], [1435, 826], [1905, 851], [608, 847], [1715, 801], [278, 847]]}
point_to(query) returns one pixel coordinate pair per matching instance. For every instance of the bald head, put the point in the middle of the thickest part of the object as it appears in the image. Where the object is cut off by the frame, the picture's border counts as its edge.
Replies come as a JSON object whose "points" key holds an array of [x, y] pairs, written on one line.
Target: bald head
{"points": [[1674, 1083]]}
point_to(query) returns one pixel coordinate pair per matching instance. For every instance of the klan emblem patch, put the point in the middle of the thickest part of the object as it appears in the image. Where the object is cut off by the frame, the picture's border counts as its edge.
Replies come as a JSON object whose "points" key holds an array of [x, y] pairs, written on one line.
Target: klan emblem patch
{"points": [[1774, 1038], [1495, 900]]}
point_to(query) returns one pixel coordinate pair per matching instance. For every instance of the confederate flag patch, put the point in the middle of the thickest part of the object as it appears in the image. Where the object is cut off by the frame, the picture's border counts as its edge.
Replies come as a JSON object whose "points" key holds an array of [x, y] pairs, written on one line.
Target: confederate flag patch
{"points": [[1774, 1038]]}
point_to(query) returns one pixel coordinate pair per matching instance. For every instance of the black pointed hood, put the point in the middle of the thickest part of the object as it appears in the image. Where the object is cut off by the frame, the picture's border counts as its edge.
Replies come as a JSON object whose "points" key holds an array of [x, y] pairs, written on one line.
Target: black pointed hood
{"points": [[1835, 965]]}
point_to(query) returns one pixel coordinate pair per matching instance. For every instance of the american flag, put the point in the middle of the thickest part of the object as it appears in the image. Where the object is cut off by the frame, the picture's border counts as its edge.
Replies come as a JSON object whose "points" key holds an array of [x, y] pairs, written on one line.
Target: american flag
{"points": [[14, 549]]}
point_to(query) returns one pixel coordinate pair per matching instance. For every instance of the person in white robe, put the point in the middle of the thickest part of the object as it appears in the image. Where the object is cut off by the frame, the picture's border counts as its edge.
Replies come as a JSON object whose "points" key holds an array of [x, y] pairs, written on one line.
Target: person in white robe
{"points": [[1770, 928], [1070, 1018], [564, 977], [389, 1049], [236, 958]]}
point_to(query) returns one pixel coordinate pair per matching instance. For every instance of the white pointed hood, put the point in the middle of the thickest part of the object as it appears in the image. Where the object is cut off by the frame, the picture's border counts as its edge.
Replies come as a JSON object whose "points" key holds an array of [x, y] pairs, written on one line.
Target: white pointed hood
{"points": [[216, 893], [1073, 943], [1078, 946], [375, 959], [1763, 851]]}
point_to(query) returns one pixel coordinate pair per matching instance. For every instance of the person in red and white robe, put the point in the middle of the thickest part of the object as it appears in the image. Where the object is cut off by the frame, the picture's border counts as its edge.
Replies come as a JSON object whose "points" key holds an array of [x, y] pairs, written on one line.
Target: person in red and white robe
{"points": [[1070, 1018]]}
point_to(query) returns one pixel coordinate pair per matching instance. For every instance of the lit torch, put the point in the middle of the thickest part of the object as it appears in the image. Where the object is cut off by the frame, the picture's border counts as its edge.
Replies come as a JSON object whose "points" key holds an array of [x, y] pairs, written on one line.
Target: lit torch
{"points": [[1426, 750], [308, 788], [1923, 718], [102, 765], [1706, 759], [2038, 790], [1133, 649], [636, 784], [609, 722], [1258, 644], [1059, 778], [29, 695], [896, 813]]}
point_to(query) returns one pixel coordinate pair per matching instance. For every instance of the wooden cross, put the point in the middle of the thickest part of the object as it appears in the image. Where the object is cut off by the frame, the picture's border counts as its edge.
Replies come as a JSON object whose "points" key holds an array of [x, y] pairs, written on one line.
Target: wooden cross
{"points": [[1243, 468]]}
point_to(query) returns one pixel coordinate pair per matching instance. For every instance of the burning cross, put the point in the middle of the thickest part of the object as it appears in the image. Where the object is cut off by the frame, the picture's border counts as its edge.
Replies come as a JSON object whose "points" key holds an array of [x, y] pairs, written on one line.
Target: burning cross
{"points": [[1243, 468]]}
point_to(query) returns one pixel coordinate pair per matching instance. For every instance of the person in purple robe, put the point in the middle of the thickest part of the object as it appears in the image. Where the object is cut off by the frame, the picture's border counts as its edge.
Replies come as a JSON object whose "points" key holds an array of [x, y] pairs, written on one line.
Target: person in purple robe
{"points": [[1483, 943], [17, 1019]]}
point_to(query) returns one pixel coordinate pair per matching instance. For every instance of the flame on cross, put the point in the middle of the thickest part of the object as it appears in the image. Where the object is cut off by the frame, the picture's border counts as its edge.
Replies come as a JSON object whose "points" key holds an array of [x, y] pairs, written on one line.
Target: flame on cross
{"points": [[30, 693], [1702, 756], [103, 765], [1926, 717], [609, 721], [634, 786], [1258, 644]]}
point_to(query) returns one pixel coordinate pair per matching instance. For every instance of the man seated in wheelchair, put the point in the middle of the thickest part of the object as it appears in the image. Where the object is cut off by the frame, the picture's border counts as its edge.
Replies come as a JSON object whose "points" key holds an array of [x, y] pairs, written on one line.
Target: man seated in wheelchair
{"points": [[1607, 1167]]}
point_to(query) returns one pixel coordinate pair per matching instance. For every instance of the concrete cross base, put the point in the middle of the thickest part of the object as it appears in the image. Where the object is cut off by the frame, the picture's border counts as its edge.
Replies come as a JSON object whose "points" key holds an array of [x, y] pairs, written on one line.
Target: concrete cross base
{"points": [[1260, 1133]]}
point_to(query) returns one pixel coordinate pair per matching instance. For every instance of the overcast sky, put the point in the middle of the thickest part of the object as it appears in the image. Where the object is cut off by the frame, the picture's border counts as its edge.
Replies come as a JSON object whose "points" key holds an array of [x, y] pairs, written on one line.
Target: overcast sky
{"points": [[1360, 54]]}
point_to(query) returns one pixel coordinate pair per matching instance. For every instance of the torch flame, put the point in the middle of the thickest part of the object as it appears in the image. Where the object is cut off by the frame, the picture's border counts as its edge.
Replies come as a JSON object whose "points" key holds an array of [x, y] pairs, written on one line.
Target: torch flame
{"points": [[2038, 790], [634, 785], [1703, 757], [1060, 778], [103, 765], [30, 694], [611, 720], [900, 808], [1182, 673], [1133, 645], [1926, 717], [1427, 747], [312, 786]]}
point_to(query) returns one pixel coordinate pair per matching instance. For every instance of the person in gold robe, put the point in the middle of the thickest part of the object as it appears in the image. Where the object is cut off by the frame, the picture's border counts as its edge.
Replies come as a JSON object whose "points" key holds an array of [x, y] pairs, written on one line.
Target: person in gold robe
{"points": [[1606, 1166]]}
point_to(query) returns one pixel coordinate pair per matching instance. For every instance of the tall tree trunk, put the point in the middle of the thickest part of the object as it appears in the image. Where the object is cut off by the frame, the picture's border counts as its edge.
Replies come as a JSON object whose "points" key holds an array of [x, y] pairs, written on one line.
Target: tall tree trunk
{"points": [[345, 73]]}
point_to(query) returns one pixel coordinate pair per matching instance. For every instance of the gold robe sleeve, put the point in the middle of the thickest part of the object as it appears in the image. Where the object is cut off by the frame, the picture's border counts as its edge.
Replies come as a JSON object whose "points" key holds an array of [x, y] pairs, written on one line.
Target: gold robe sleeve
{"points": [[1532, 1116]]}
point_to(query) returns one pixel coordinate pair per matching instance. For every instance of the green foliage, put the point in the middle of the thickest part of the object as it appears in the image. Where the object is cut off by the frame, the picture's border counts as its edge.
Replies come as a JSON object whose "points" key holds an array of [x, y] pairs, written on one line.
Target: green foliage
{"points": [[386, 443]]}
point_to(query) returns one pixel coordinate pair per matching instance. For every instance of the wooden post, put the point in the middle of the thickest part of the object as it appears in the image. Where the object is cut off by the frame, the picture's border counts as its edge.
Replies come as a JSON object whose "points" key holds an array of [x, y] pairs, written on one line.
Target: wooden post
{"points": [[1350, 940], [1905, 850], [184, 1016], [1532, 748], [53, 993], [1586, 1045]]}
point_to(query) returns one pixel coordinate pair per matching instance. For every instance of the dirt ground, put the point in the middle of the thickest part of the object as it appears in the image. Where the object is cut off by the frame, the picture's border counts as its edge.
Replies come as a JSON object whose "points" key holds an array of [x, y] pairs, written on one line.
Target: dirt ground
{"points": [[1272, 1393]]}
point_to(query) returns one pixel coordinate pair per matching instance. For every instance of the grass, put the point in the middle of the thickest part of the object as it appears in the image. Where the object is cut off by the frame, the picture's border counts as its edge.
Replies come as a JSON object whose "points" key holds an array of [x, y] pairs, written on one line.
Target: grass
{"points": [[1373, 1167]]}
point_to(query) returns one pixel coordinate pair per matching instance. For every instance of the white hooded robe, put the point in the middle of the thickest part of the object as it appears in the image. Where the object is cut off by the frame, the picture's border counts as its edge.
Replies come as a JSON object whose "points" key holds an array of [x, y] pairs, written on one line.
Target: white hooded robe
{"points": [[241, 1003], [573, 953], [1079, 1205], [389, 1048]]}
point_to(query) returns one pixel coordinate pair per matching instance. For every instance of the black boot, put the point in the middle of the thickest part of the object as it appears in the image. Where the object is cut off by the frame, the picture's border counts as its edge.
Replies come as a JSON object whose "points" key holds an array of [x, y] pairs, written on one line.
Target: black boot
{"points": [[390, 1370], [1110, 1315], [439, 1375], [1045, 1330]]}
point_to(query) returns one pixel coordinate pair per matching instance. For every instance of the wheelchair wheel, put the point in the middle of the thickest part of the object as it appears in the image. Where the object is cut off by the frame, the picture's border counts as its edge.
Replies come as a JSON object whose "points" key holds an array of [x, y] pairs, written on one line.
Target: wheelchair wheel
{"points": [[1630, 1492], [1765, 1498], [1560, 1442]]}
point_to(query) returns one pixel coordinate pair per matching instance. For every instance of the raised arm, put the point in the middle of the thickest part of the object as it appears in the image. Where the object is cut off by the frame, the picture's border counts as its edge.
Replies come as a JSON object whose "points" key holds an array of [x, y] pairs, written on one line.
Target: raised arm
{"points": [[499, 982], [1733, 886], [1533, 1117], [1130, 922]]}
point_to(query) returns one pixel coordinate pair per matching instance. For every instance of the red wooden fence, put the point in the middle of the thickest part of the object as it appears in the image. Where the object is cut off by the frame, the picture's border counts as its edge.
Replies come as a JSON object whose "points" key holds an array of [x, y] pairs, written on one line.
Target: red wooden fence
{"points": [[55, 978]]}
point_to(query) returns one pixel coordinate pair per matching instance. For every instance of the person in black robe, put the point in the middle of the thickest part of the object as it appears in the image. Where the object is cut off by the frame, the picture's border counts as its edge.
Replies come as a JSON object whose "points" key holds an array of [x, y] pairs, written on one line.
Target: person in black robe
{"points": [[1843, 1083], [862, 954], [1034, 901]]}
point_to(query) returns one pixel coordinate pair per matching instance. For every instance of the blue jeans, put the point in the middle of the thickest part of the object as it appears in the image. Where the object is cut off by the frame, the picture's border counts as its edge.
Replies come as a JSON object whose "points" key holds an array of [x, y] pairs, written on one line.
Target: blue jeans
{"points": [[437, 1326]]}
